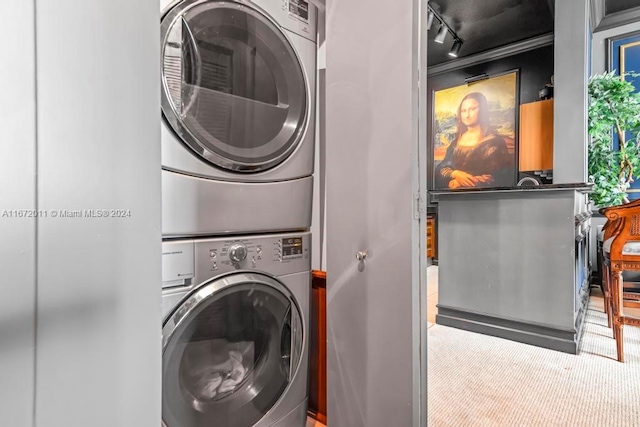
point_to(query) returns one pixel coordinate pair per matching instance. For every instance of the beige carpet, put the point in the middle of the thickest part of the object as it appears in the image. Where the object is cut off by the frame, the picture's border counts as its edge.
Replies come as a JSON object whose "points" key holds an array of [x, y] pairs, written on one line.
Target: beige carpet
{"points": [[477, 380]]}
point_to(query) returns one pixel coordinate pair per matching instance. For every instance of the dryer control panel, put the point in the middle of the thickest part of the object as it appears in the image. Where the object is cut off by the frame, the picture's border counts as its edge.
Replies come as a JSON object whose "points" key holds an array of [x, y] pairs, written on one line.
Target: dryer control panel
{"points": [[283, 254], [201, 259]]}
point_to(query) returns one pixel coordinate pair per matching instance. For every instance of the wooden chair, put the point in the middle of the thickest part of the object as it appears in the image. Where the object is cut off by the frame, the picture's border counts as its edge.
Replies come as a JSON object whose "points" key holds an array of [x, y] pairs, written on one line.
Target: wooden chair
{"points": [[621, 252], [606, 233]]}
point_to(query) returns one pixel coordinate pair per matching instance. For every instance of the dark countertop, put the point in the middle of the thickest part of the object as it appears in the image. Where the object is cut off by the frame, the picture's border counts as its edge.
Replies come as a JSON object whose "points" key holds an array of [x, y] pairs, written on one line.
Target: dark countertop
{"points": [[583, 187]]}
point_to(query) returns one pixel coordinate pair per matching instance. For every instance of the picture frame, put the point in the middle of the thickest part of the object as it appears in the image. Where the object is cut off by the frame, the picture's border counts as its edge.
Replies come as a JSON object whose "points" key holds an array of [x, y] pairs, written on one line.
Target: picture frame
{"points": [[475, 133], [624, 57]]}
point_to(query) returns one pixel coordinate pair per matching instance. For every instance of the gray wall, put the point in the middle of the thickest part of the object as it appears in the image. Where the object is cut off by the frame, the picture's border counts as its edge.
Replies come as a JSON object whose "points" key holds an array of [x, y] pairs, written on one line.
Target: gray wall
{"points": [[81, 131], [571, 59], [17, 191], [599, 55]]}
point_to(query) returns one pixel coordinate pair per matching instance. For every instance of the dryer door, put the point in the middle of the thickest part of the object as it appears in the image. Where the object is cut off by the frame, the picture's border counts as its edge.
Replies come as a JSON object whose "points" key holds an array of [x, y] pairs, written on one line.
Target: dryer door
{"points": [[230, 350], [233, 87]]}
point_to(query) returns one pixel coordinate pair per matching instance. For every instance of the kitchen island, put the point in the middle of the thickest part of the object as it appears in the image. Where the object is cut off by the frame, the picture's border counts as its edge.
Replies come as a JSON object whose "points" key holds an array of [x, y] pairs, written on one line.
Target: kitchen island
{"points": [[513, 262]]}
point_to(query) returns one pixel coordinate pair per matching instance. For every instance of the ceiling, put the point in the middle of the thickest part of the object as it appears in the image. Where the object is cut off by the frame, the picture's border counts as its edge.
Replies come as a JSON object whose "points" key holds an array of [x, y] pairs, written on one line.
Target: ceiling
{"points": [[613, 6], [486, 25]]}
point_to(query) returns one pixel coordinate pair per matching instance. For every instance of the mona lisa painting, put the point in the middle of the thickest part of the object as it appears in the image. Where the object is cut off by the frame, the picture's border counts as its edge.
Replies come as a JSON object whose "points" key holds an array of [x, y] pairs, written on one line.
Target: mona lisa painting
{"points": [[474, 134]]}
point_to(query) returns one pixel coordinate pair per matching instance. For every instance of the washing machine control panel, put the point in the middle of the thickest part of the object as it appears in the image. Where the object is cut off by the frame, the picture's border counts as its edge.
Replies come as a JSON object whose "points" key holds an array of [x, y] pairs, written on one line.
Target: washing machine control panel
{"points": [[292, 248], [177, 263], [237, 252], [277, 254]]}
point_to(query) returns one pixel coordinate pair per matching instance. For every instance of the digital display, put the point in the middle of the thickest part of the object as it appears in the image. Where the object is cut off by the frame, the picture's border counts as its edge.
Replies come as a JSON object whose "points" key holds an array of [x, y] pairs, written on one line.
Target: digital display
{"points": [[288, 251], [292, 248], [300, 8]]}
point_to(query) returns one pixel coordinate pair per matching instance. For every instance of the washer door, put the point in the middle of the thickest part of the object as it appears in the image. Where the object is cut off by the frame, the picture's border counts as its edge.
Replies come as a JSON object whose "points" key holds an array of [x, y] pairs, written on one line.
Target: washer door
{"points": [[233, 88], [230, 350]]}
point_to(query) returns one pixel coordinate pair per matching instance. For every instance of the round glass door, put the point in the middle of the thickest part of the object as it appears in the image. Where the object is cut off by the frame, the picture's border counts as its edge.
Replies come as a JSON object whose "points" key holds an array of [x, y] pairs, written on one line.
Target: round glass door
{"points": [[233, 87], [230, 350]]}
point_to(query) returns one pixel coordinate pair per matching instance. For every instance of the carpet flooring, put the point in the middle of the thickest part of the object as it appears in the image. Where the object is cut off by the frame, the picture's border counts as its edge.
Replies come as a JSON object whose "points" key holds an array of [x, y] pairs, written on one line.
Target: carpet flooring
{"points": [[478, 380]]}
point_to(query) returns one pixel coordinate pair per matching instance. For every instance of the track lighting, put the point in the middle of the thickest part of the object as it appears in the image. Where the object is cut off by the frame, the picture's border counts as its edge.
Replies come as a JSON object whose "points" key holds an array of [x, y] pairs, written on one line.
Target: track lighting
{"points": [[455, 48], [430, 20], [442, 34]]}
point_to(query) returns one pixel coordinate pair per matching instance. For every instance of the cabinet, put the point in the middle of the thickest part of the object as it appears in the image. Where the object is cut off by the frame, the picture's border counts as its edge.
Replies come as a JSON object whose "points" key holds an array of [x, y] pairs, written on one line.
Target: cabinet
{"points": [[536, 136], [318, 348], [513, 263]]}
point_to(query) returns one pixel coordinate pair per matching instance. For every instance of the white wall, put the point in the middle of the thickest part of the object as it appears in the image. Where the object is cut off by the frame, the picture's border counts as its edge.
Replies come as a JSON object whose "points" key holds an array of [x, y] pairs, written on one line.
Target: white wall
{"points": [[17, 191], [80, 130]]}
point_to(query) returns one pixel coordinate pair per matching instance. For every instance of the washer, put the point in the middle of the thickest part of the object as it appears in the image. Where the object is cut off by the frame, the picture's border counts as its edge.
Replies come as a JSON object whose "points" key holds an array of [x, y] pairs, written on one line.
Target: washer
{"points": [[235, 331], [238, 104]]}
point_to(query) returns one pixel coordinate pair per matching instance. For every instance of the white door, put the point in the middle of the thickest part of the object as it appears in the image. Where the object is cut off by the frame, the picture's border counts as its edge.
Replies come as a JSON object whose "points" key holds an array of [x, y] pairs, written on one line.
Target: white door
{"points": [[373, 310]]}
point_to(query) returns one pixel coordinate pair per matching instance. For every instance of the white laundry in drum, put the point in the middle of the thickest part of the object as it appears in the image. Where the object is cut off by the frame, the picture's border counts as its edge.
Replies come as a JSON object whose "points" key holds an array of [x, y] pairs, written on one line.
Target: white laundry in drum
{"points": [[217, 367]]}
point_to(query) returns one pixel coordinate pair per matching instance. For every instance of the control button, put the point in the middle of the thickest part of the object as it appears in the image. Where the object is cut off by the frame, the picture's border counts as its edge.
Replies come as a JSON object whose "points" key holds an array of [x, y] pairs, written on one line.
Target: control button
{"points": [[253, 261], [259, 250], [214, 265], [212, 253], [237, 252]]}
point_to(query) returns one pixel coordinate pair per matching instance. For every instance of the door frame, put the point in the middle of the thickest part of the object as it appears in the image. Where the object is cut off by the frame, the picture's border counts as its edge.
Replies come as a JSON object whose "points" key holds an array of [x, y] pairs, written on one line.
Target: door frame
{"points": [[419, 189]]}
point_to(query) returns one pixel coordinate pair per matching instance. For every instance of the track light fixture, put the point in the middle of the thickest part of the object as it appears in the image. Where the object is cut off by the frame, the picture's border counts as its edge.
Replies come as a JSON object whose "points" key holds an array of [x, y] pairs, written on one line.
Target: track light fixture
{"points": [[442, 32], [430, 20], [455, 48]]}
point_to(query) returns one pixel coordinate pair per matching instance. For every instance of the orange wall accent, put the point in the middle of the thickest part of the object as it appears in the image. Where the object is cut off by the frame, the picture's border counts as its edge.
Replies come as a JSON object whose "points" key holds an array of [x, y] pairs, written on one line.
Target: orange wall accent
{"points": [[431, 236], [318, 348], [536, 136]]}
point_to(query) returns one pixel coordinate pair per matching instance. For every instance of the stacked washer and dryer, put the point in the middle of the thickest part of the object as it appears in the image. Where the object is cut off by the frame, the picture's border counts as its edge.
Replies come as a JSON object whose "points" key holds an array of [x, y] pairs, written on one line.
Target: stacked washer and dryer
{"points": [[238, 102]]}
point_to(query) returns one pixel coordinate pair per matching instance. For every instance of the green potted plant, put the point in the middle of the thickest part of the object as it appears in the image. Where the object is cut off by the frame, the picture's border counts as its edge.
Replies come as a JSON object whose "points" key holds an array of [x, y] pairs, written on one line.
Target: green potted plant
{"points": [[614, 109]]}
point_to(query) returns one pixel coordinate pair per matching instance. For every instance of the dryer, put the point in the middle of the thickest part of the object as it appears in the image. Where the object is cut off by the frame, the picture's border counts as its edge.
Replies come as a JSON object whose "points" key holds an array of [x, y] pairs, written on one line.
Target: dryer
{"points": [[238, 106], [235, 331]]}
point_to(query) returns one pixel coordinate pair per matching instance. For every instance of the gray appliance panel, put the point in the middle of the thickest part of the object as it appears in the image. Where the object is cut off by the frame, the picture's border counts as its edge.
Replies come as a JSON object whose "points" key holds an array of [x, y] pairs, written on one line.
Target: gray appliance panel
{"points": [[195, 206]]}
